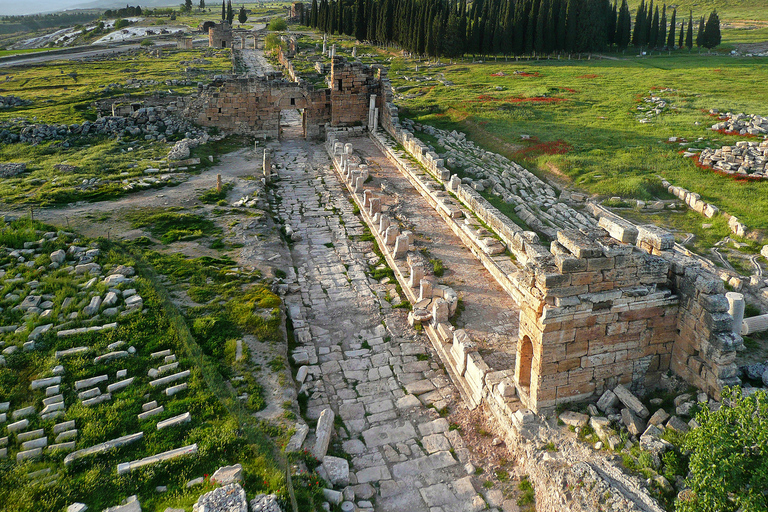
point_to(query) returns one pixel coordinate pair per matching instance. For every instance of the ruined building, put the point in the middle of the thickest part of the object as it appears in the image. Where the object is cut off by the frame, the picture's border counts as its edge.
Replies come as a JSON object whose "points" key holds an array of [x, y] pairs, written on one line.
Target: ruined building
{"points": [[616, 305]]}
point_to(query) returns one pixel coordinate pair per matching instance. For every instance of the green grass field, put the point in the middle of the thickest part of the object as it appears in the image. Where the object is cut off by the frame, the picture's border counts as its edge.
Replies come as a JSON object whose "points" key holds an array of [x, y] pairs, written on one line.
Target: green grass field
{"points": [[590, 106]]}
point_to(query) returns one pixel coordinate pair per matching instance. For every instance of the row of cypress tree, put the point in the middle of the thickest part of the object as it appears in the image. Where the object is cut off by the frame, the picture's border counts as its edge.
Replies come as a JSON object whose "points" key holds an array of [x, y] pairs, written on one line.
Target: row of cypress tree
{"points": [[451, 28]]}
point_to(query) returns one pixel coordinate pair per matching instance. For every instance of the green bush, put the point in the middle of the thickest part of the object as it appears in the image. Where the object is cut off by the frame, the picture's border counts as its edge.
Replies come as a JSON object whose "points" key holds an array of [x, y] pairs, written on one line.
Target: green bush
{"points": [[728, 464], [121, 23], [147, 42], [277, 25]]}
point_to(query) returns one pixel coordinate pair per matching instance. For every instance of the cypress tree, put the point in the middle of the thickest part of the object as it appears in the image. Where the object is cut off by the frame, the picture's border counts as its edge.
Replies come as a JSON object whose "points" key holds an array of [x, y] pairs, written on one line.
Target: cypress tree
{"points": [[712, 31], [638, 34], [561, 26], [223, 11], [689, 34], [550, 39], [230, 12], [661, 41], [700, 33], [649, 24], [624, 29], [530, 29], [313, 14], [671, 37], [654, 32], [539, 41], [359, 20], [521, 22], [611, 25], [682, 34], [572, 26], [242, 16]]}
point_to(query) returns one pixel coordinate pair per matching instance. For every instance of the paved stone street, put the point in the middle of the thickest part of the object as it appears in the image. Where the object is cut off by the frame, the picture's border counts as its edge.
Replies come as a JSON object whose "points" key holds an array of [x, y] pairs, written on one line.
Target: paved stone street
{"points": [[401, 450], [381, 378]]}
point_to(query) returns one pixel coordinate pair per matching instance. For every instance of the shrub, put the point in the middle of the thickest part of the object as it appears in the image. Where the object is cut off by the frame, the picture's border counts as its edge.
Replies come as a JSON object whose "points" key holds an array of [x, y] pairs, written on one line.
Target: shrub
{"points": [[147, 42], [277, 25], [121, 23], [728, 466]]}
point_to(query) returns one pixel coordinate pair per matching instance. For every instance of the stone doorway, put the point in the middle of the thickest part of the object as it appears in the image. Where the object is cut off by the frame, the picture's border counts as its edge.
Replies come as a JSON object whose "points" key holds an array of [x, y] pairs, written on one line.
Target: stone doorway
{"points": [[293, 124]]}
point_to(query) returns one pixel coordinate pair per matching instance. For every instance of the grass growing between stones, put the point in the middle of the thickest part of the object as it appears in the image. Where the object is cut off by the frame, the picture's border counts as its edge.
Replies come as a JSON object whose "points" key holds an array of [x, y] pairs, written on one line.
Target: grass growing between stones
{"points": [[169, 226], [221, 425]]}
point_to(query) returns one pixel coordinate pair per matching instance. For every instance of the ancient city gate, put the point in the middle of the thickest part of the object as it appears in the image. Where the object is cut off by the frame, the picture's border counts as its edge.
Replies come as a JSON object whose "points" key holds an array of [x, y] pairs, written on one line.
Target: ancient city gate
{"points": [[252, 105]]}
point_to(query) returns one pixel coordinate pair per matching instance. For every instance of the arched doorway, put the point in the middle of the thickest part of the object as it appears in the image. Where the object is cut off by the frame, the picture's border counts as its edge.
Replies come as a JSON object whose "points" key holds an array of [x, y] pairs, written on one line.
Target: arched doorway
{"points": [[525, 361]]}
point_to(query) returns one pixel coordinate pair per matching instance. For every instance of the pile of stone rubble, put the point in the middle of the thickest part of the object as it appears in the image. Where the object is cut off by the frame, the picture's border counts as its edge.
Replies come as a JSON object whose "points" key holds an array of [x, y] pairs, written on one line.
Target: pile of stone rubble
{"points": [[151, 123], [652, 106], [743, 124], [746, 158], [13, 101], [536, 202]]}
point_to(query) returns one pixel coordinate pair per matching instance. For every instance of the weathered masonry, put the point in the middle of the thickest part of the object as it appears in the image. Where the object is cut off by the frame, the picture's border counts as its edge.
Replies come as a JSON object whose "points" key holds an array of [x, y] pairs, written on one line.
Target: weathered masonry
{"points": [[252, 105], [598, 307]]}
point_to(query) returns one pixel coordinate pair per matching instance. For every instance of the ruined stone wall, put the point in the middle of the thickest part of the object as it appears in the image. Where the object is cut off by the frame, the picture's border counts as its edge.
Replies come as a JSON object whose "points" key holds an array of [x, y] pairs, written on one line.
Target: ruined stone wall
{"points": [[220, 35], [704, 352], [600, 316], [352, 84], [252, 105]]}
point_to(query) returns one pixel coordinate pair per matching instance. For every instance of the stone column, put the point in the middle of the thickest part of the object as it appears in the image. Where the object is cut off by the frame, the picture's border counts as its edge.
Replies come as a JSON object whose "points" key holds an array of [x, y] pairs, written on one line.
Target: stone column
{"points": [[375, 206], [371, 111], [736, 309], [425, 289], [401, 246], [417, 274], [367, 198], [267, 166], [383, 223], [359, 183], [348, 148], [453, 185], [390, 235]]}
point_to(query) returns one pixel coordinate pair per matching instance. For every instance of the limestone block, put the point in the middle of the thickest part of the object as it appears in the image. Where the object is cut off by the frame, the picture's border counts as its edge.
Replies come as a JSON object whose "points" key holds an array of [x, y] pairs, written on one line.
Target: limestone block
{"points": [[33, 434], [226, 475], [175, 420], [29, 454], [323, 433], [655, 236], [634, 425], [608, 400], [44, 383], [619, 229], [337, 470], [126, 467], [103, 447], [574, 419], [87, 383], [630, 401]]}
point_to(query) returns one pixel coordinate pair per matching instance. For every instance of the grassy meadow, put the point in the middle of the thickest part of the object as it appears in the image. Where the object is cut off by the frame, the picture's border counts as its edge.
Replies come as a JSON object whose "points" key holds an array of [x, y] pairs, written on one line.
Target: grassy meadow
{"points": [[583, 121]]}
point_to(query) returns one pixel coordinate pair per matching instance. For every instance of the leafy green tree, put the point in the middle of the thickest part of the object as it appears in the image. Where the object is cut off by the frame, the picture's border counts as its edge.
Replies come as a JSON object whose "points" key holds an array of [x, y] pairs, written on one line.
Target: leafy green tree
{"points": [[729, 456], [712, 31], [187, 5], [242, 16]]}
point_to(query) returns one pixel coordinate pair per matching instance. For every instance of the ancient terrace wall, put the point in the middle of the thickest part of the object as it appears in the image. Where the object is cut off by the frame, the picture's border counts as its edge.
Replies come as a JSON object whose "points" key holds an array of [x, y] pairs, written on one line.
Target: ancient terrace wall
{"points": [[602, 306], [252, 105]]}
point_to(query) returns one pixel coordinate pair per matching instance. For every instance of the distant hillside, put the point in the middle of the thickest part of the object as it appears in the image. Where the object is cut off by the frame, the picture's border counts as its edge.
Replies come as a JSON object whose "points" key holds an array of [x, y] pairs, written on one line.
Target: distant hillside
{"points": [[726, 9], [8, 8]]}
